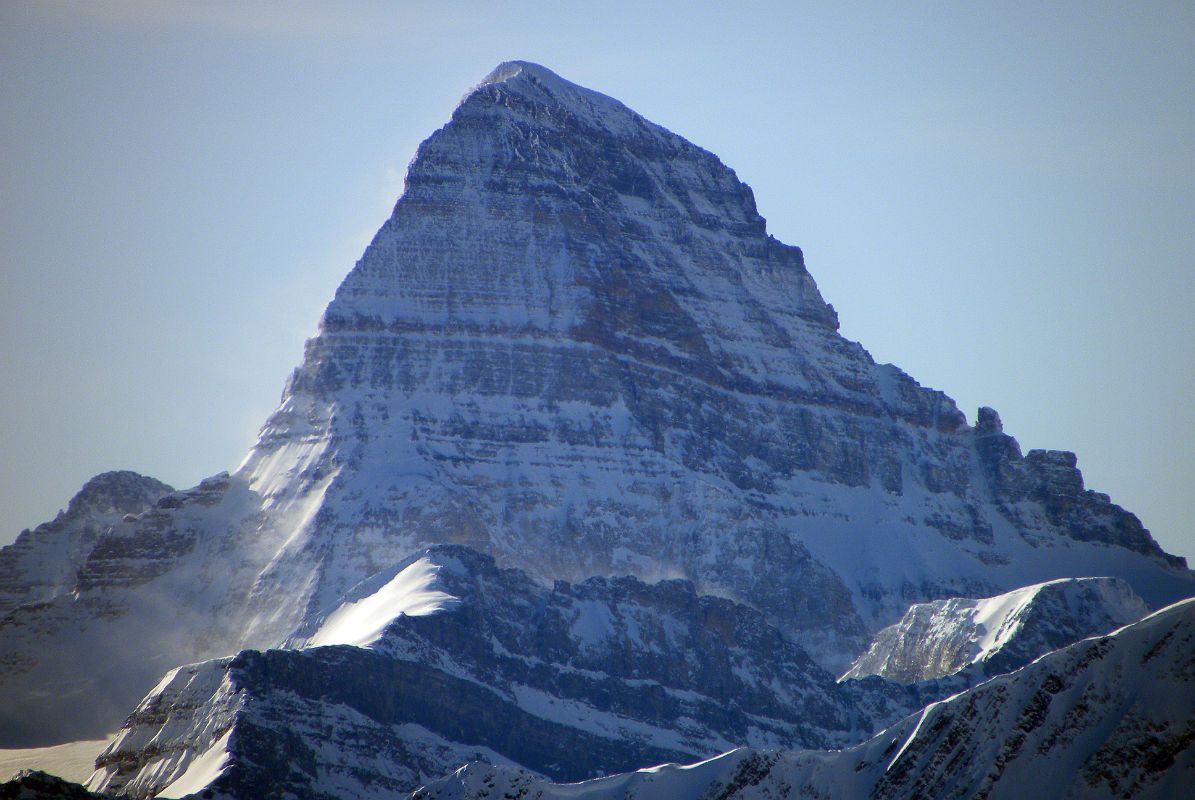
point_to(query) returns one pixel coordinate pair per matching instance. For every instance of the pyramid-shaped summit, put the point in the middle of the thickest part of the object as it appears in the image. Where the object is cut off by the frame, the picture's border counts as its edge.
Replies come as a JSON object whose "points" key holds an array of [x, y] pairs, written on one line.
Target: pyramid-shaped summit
{"points": [[575, 347]]}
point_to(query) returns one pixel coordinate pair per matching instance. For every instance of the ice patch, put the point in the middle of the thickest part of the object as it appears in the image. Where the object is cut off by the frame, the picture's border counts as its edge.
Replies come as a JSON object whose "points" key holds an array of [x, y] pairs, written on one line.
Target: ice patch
{"points": [[74, 761]]}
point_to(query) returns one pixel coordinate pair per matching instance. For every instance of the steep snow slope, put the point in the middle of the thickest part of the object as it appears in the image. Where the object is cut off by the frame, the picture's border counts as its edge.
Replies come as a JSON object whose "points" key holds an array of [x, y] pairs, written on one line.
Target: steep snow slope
{"points": [[1108, 717], [998, 633], [574, 346], [474, 661]]}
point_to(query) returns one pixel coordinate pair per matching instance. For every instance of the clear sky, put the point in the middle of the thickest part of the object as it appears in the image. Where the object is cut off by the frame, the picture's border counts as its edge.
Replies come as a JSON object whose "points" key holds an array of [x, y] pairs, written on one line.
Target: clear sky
{"points": [[999, 198]]}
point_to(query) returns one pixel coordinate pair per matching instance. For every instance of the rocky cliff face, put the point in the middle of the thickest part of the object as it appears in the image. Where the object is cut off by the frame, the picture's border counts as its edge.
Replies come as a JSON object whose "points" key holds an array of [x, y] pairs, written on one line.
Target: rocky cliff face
{"points": [[575, 347], [997, 634], [1112, 716]]}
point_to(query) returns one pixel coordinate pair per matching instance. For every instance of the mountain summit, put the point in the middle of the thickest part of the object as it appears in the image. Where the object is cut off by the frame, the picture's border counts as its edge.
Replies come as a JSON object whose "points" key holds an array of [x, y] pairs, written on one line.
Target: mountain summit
{"points": [[575, 347]]}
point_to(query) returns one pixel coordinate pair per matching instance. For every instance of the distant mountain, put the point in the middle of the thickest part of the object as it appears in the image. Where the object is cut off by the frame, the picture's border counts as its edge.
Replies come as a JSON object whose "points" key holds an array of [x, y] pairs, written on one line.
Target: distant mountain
{"points": [[155, 590], [997, 634], [575, 348], [45, 562], [1112, 716]]}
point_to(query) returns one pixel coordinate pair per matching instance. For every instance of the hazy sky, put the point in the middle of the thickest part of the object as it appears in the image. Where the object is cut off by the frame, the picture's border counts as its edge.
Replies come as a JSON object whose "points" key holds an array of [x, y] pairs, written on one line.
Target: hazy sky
{"points": [[999, 198]]}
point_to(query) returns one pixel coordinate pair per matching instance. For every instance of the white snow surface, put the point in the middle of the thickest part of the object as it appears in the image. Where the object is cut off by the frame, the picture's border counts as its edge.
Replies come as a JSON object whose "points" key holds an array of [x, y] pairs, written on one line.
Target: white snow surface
{"points": [[362, 622], [202, 770]]}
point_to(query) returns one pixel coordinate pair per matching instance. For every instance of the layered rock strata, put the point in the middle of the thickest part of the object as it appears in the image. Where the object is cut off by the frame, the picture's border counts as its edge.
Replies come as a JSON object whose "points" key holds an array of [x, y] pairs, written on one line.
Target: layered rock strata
{"points": [[448, 658]]}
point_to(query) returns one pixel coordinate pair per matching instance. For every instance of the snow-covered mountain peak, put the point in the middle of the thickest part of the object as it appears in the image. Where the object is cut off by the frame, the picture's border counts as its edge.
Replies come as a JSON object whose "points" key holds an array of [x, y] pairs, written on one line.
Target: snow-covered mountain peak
{"points": [[45, 562], [997, 634], [575, 348], [118, 491], [513, 73], [552, 100]]}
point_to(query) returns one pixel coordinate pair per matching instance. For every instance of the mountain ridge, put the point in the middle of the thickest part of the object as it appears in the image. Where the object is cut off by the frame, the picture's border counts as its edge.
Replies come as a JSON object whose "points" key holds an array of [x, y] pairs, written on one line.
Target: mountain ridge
{"points": [[470, 658], [1109, 716]]}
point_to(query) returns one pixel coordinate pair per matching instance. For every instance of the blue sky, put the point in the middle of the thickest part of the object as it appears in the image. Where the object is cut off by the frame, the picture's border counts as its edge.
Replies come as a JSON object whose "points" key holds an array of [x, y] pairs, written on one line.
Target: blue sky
{"points": [[999, 199]]}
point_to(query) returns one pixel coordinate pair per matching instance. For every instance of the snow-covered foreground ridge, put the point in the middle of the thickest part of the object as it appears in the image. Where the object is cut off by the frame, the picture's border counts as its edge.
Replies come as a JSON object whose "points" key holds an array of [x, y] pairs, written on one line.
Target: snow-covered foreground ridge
{"points": [[466, 660], [570, 681], [573, 346], [1111, 716]]}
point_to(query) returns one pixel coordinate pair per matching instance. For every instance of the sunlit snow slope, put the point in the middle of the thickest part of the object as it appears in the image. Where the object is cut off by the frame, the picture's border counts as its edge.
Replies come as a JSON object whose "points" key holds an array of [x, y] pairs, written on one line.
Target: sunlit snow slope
{"points": [[997, 633]]}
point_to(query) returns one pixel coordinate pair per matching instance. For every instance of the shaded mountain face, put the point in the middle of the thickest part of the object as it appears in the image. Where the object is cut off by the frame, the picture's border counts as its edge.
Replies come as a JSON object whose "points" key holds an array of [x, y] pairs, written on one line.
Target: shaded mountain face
{"points": [[1112, 716], [575, 347], [447, 658], [997, 634], [157, 589]]}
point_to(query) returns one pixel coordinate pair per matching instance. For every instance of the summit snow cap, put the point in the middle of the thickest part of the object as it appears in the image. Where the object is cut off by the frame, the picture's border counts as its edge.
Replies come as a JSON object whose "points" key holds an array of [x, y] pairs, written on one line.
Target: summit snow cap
{"points": [[544, 87], [513, 69]]}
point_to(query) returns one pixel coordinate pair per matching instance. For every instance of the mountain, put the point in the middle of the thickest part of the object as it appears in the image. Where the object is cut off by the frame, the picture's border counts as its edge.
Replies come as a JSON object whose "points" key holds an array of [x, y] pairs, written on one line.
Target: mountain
{"points": [[1112, 716], [448, 658], [156, 589], [572, 346], [997, 634], [44, 563]]}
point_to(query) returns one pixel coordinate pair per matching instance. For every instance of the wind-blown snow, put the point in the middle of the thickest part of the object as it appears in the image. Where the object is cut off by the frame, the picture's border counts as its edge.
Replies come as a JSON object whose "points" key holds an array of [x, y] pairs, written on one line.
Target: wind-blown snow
{"points": [[997, 618], [409, 593]]}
